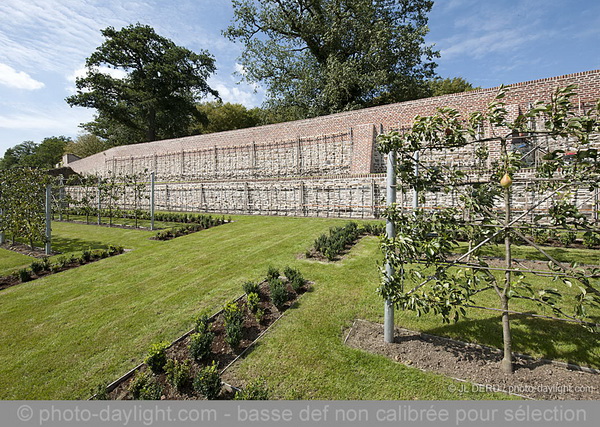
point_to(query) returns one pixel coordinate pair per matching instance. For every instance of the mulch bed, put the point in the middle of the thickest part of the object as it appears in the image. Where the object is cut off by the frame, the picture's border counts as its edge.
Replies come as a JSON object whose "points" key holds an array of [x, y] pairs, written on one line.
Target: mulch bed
{"points": [[26, 250], [479, 365], [222, 353]]}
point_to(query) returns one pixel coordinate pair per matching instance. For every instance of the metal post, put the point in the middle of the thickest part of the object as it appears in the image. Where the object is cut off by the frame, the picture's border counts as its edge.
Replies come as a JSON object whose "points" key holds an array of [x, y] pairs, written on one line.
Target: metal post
{"points": [[152, 200], [61, 196], [415, 200], [390, 230], [48, 246], [99, 202]]}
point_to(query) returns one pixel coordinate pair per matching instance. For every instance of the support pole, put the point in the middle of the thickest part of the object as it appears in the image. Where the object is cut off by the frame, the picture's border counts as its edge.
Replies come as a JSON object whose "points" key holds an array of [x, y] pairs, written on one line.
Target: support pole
{"points": [[152, 200], [415, 200], [48, 246], [61, 196], [99, 194], [390, 230]]}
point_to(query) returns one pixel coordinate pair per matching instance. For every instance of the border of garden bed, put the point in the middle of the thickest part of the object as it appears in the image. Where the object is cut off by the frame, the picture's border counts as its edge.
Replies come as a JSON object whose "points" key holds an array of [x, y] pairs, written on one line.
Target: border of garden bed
{"points": [[116, 383]]}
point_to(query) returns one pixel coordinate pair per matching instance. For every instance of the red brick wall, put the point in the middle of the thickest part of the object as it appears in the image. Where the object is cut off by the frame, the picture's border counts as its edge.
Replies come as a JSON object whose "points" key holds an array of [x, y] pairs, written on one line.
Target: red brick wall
{"points": [[362, 122]]}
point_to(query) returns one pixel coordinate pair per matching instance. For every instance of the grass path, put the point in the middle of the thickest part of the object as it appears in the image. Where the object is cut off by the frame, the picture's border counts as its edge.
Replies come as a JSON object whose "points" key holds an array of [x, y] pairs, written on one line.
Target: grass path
{"points": [[68, 332]]}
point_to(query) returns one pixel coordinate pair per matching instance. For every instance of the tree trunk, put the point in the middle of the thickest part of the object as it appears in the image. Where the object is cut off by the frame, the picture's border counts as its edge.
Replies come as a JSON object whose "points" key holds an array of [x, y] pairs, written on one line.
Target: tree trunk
{"points": [[507, 366]]}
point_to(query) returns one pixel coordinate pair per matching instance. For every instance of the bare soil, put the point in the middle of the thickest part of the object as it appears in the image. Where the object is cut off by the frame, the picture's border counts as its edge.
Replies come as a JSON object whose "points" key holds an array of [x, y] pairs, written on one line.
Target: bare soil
{"points": [[221, 352], [479, 365], [26, 250]]}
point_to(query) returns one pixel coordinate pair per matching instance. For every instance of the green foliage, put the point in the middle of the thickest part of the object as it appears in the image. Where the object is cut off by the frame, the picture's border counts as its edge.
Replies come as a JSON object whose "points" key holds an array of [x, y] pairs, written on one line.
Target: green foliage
{"points": [[28, 154], [333, 244], [200, 345], [439, 86], [326, 56], [24, 275], [156, 97], [567, 238], [256, 389], [253, 301], [251, 287], [85, 145], [157, 357], [22, 204], [259, 315], [202, 322], [178, 373], [37, 266], [295, 278], [145, 387], [219, 117], [279, 293], [99, 392], [233, 316], [591, 239], [272, 273], [208, 382]]}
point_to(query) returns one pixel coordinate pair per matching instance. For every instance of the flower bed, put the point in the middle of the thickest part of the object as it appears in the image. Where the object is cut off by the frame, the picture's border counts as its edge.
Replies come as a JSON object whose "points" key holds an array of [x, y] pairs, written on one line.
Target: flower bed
{"points": [[190, 367]]}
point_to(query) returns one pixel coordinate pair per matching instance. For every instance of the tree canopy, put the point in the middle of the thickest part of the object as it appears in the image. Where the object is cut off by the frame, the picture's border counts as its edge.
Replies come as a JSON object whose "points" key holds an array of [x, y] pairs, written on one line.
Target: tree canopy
{"points": [[44, 155], [155, 99], [439, 86], [226, 116], [318, 57]]}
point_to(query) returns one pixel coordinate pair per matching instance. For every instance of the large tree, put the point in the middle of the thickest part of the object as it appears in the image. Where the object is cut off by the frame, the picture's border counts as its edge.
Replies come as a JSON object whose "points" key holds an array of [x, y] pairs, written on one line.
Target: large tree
{"points": [[156, 98], [322, 56], [220, 117], [45, 155]]}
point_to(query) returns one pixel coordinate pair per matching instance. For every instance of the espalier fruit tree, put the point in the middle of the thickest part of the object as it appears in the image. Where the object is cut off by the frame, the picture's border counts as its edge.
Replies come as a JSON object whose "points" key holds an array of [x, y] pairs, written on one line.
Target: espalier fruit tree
{"points": [[428, 275]]}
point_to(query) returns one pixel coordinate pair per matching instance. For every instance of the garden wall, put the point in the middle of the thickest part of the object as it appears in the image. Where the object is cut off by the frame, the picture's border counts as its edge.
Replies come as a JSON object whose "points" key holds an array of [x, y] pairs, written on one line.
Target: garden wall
{"points": [[326, 166]]}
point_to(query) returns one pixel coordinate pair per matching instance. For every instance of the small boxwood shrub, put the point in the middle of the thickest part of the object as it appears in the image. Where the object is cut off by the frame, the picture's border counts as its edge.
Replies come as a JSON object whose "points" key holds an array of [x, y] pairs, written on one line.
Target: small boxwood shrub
{"points": [[255, 390], [86, 255], [253, 301], [279, 293], [157, 357], [272, 273], [208, 382], [178, 373], [37, 266], [567, 238], [591, 239], [233, 316], [145, 387], [99, 392], [200, 345], [202, 322], [251, 287], [24, 275]]}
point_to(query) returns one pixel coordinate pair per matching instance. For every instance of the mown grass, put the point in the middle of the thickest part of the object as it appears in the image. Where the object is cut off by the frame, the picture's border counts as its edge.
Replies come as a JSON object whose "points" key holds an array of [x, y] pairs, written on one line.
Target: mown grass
{"points": [[12, 261], [66, 333]]}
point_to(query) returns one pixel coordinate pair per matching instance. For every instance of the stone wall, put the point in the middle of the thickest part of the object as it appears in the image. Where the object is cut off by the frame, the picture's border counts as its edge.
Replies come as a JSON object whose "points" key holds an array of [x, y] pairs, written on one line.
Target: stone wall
{"points": [[326, 166]]}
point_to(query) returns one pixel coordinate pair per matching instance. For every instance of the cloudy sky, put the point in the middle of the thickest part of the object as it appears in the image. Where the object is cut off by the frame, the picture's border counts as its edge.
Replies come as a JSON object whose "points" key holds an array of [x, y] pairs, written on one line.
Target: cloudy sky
{"points": [[44, 44]]}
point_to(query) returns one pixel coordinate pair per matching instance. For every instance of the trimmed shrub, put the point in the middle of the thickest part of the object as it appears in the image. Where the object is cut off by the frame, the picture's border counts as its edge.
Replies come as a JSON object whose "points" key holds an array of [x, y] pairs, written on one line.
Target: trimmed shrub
{"points": [[272, 273], [255, 390], [178, 373], [202, 322], [259, 315], [87, 255], [279, 293], [567, 238], [145, 387], [591, 239], [200, 345], [251, 287], [37, 266], [234, 318], [208, 382], [24, 275], [99, 392], [157, 357], [253, 301]]}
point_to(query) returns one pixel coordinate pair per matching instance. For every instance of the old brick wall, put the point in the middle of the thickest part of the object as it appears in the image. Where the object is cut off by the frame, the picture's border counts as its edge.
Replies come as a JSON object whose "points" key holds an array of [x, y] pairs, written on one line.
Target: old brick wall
{"points": [[326, 166]]}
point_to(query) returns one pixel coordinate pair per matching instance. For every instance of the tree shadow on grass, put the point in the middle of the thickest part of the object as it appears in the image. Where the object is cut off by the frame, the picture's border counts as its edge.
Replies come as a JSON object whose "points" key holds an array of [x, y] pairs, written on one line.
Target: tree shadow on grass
{"points": [[65, 245], [539, 337]]}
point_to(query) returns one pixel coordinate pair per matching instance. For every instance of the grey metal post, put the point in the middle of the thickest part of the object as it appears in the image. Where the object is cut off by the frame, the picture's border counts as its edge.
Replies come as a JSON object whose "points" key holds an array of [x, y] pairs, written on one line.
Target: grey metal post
{"points": [[48, 246], [61, 196], [99, 194], [390, 230], [152, 200], [415, 200]]}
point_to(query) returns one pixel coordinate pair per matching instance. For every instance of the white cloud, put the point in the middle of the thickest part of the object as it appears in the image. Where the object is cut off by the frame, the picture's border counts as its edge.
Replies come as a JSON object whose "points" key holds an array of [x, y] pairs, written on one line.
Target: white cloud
{"points": [[57, 120], [18, 79]]}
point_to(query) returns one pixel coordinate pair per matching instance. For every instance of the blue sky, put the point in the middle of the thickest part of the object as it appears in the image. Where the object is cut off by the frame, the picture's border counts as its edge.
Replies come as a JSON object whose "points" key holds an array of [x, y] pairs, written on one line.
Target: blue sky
{"points": [[44, 44]]}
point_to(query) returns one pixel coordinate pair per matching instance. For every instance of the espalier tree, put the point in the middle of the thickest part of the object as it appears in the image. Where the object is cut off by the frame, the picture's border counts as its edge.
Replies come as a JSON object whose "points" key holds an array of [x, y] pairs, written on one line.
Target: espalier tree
{"points": [[427, 275], [22, 204]]}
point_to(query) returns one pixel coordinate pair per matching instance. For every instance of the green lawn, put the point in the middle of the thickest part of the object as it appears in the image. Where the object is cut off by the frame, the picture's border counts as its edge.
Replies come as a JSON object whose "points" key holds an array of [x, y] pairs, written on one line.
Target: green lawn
{"points": [[66, 333], [11, 261]]}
